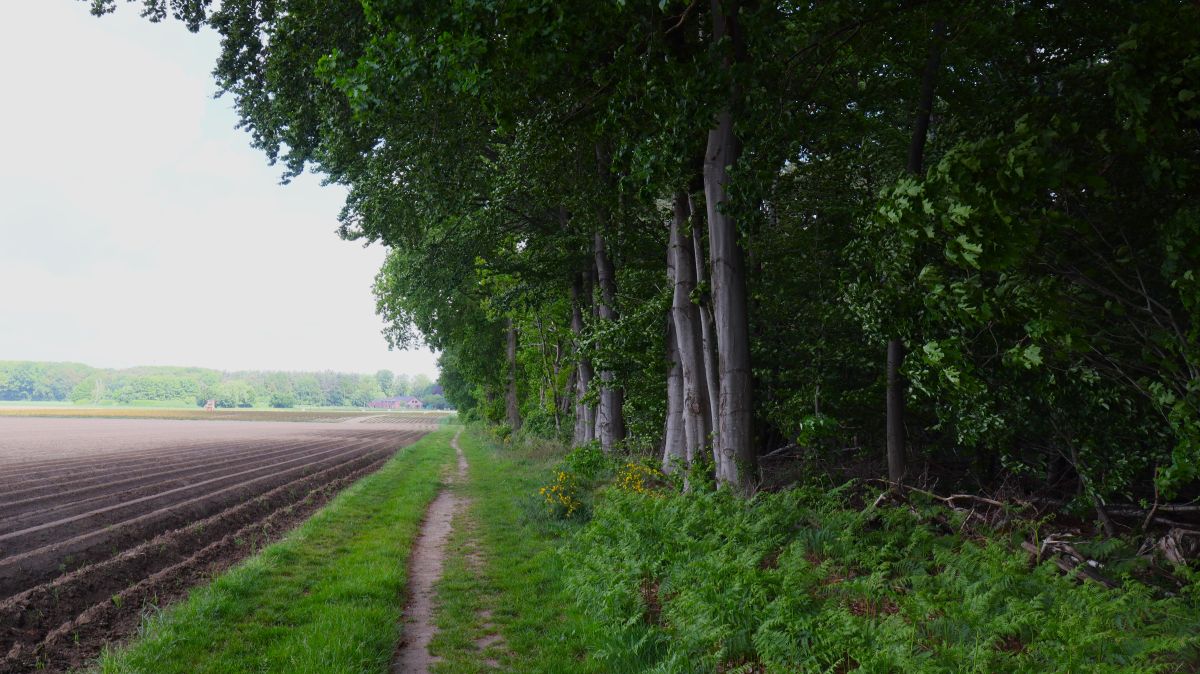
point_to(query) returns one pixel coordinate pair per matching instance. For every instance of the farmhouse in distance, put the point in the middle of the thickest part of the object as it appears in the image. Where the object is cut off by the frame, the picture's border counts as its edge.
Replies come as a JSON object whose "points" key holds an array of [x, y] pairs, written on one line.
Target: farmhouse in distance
{"points": [[397, 403]]}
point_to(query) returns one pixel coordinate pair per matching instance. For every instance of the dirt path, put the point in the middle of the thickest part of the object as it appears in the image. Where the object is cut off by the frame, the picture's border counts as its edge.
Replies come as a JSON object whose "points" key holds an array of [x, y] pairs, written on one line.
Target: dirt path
{"points": [[424, 571]]}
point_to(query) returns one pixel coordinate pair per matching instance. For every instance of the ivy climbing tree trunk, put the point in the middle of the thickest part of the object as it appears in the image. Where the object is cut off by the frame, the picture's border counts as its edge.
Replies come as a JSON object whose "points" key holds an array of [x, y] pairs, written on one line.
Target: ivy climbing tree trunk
{"points": [[610, 420], [736, 462], [897, 459], [511, 404], [686, 320], [585, 412]]}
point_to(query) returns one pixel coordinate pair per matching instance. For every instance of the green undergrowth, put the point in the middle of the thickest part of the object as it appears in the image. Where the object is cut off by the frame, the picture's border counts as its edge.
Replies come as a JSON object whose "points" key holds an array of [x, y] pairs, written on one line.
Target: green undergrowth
{"points": [[327, 598], [503, 575], [798, 581]]}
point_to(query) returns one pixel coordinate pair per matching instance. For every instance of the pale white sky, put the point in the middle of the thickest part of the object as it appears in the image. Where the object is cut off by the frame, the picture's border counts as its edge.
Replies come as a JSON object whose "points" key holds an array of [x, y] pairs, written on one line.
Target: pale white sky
{"points": [[138, 226]]}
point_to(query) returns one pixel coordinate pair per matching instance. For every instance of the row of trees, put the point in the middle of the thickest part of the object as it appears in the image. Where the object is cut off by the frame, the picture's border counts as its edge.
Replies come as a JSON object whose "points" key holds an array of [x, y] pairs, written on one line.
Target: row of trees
{"points": [[36, 381], [963, 233]]}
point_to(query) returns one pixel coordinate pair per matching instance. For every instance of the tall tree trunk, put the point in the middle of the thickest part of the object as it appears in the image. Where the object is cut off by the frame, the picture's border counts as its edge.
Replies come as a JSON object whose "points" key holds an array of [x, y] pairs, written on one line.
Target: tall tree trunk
{"points": [[585, 413], [512, 405], [916, 147], [674, 435], [897, 460], [686, 318], [610, 420], [734, 451], [708, 335]]}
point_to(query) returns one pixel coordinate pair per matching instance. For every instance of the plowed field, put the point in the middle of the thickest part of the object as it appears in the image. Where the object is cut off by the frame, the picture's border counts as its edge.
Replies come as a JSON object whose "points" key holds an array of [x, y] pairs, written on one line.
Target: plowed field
{"points": [[103, 519]]}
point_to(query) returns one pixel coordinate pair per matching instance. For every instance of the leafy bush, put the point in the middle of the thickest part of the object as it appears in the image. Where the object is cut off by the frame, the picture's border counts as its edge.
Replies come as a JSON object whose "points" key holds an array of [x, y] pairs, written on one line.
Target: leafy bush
{"points": [[562, 495], [577, 476]]}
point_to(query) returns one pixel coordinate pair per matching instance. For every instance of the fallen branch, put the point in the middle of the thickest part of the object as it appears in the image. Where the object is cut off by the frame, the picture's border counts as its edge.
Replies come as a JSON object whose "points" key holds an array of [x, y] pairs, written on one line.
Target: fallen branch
{"points": [[949, 500], [1177, 550], [1070, 563], [781, 450]]}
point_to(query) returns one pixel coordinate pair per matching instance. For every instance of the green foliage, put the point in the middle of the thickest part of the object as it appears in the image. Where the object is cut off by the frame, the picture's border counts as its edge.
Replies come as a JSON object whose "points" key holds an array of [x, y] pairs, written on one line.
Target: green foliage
{"points": [[283, 399], [569, 495], [1050, 322], [24, 380], [798, 581], [27, 380], [1037, 265], [236, 393]]}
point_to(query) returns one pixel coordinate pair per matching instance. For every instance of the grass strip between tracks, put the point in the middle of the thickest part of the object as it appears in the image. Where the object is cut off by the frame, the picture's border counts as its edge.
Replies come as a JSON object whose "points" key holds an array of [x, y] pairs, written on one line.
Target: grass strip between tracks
{"points": [[503, 576], [327, 598]]}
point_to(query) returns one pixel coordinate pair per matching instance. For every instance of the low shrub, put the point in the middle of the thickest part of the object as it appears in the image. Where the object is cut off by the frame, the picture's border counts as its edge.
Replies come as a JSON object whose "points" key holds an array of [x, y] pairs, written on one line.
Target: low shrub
{"points": [[576, 477]]}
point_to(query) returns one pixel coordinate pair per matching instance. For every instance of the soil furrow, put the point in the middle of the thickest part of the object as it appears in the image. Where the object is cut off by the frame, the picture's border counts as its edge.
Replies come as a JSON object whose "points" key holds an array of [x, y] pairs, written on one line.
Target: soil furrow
{"points": [[54, 468], [47, 532], [82, 475], [93, 545], [22, 514], [124, 458], [124, 517], [81, 604]]}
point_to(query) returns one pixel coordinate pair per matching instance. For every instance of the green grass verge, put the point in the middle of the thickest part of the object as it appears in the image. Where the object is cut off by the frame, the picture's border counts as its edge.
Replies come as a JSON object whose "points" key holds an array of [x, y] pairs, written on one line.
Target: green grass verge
{"points": [[327, 598], [503, 574]]}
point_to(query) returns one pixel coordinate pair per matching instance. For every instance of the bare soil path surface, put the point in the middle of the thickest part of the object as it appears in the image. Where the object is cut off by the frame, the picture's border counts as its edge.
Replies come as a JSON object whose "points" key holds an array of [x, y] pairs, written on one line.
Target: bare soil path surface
{"points": [[101, 519], [426, 563]]}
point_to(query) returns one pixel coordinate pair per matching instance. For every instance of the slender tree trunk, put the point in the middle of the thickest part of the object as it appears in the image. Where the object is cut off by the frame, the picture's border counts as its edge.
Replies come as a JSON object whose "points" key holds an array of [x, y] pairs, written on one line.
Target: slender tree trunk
{"points": [[566, 402], [595, 320], [686, 318], [734, 451], [549, 374], [897, 459], [512, 405], [707, 329], [585, 413], [674, 435], [916, 147], [610, 421]]}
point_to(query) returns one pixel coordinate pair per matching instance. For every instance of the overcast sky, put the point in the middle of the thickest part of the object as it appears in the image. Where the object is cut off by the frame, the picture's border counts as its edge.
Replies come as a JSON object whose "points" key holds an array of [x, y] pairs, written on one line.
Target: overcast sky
{"points": [[138, 226]]}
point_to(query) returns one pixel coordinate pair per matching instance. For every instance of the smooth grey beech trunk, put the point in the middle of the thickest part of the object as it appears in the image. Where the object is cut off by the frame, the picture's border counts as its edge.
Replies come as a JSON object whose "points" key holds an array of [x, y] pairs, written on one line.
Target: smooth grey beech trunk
{"points": [[610, 419], [512, 407], [734, 450], [674, 437], [585, 413], [685, 316], [708, 335], [896, 456]]}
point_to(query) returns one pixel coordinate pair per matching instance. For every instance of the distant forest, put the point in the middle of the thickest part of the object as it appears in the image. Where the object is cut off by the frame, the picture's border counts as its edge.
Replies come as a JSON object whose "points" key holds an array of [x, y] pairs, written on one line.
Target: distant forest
{"points": [[79, 383]]}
